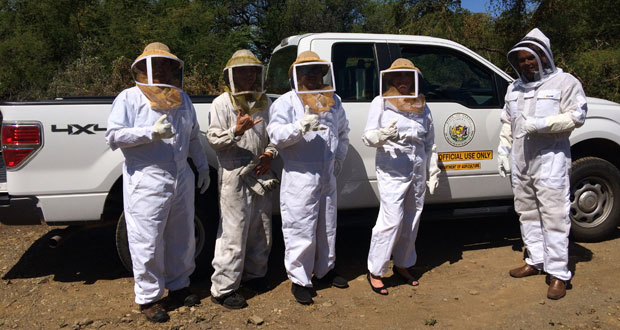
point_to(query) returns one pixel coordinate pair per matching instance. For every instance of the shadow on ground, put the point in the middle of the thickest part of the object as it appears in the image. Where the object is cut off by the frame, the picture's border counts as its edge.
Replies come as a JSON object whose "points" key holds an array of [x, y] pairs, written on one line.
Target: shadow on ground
{"points": [[87, 256], [90, 254]]}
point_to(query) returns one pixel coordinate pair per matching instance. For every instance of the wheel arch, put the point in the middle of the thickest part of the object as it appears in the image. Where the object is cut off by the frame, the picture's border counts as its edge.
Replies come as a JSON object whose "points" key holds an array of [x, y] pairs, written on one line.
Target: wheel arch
{"points": [[113, 205], [597, 147]]}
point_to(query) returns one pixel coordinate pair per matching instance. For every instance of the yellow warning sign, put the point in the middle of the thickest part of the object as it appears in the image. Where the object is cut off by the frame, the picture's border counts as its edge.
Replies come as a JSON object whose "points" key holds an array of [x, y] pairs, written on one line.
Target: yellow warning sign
{"points": [[463, 166], [465, 155]]}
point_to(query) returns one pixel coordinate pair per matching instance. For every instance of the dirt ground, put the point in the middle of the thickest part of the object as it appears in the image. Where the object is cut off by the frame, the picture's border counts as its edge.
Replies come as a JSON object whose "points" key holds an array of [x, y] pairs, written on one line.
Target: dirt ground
{"points": [[463, 269]]}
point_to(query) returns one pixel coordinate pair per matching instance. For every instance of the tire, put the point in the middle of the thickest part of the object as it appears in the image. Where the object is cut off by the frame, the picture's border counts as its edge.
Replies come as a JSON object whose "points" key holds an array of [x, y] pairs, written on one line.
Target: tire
{"points": [[595, 199], [206, 221], [122, 245]]}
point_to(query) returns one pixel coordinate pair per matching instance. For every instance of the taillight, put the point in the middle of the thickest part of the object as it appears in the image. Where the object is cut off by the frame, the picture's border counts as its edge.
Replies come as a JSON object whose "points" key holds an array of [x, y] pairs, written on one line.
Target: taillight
{"points": [[19, 135], [19, 143]]}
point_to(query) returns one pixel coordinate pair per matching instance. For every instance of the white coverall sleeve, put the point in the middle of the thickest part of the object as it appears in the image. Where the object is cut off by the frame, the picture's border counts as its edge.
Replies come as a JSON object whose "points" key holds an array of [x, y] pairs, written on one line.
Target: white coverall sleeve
{"points": [[430, 133], [431, 148], [120, 131], [505, 133], [221, 132], [574, 108], [343, 132], [372, 134], [196, 151], [283, 128], [270, 148]]}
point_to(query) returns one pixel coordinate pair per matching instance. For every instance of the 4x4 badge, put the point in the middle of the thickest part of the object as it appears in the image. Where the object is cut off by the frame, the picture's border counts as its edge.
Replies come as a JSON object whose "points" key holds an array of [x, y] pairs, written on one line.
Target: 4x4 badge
{"points": [[75, 129]]}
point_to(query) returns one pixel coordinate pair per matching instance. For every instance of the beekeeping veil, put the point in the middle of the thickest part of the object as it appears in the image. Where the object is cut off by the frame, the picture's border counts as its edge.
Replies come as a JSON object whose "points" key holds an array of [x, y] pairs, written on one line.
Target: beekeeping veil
{"points": [[159, 75], [399, 86], [536, 44], [245, 79], [313, 81]]}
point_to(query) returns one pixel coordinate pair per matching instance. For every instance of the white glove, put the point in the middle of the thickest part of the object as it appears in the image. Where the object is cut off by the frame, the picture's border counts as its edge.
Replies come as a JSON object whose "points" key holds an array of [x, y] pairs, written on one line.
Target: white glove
{"points": [[337, 167], [530, 125], [433, 183], [203, 181], [390, 132], [377, 137], [310, 122], [161, 130], [503, 165], [433, 171]]}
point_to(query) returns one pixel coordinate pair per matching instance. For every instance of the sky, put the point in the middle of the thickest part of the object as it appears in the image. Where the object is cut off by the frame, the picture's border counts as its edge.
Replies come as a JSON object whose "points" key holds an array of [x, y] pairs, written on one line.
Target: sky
{"points": [[475, 6]]}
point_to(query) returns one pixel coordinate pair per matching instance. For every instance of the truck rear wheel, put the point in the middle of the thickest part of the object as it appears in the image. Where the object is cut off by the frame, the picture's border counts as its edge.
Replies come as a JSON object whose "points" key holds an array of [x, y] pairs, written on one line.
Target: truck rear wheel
{"points": [[595, 199], [122, 245]]}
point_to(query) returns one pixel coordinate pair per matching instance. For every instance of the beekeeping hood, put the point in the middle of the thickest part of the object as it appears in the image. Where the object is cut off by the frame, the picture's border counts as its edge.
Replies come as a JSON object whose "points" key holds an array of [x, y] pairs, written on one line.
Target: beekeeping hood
{"points": [[537, 44], [408, 99], [244, 77], [159, 75], [313, 81]]}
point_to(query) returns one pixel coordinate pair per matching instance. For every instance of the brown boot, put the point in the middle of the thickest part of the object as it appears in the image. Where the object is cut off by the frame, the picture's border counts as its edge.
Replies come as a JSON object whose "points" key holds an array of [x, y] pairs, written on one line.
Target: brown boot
{"points": [[557, 289], [154, 312], [524, 271]]}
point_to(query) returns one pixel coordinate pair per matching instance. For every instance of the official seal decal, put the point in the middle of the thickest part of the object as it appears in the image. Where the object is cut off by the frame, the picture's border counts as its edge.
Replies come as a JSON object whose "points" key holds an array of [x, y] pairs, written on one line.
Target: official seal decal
{"points": [[459, 129]]}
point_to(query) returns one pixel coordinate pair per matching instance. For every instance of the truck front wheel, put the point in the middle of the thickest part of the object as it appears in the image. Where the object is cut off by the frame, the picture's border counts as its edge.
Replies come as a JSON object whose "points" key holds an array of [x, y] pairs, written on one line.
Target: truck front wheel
{"points": [[595, 199]]}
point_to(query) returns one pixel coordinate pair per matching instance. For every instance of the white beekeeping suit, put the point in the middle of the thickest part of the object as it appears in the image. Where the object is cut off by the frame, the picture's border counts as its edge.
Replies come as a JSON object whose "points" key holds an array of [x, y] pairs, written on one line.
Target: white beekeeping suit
{"points": [[542, 108], [400, 126], [238, 134], [154, 124], [309, 127]]}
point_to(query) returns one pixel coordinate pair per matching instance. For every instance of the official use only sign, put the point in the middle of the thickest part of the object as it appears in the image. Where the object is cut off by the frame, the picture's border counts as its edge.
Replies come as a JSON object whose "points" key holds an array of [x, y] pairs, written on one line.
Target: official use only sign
{"points": [[463, 156]]}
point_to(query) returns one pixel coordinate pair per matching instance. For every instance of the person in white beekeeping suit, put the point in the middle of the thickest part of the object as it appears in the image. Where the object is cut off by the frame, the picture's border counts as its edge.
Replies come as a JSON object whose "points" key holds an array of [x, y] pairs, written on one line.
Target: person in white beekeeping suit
{"points": [[309, 127], [154, 124], [542, 108], [400, 126], [238, 134]]}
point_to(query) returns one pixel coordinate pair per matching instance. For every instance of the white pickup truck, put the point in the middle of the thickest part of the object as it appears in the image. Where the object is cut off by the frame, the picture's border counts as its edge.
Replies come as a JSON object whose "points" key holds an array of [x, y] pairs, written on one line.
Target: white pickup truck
{"points": [[59, 169]]}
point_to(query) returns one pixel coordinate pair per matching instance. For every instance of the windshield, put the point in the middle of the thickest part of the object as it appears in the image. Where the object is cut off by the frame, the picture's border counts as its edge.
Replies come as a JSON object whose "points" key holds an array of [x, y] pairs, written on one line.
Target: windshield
{"points": [[277, 70]]}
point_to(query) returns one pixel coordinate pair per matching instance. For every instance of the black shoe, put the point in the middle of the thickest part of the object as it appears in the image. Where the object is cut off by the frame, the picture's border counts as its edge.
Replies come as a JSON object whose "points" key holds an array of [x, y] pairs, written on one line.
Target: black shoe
{"points": [[258, 285], [232, 300], [411, 281], [375, 289], [184, 297], [335, 280], [154, 312], [302, 294]]}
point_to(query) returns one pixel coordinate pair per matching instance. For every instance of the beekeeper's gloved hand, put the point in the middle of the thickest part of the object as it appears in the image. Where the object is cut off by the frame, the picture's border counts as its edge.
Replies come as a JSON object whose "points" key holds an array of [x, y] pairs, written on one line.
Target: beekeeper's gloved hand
{"points": [[503, 165], [390, 132], [530, 125], [379, 136], [433, 171], [162, 130], [310, 122], [203, 181]]}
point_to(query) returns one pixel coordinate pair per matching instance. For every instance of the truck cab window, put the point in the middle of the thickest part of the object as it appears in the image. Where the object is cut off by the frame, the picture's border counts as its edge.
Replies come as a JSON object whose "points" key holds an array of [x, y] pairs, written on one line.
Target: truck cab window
{"points": [[355, 71], [452, 77], [277, 70]]}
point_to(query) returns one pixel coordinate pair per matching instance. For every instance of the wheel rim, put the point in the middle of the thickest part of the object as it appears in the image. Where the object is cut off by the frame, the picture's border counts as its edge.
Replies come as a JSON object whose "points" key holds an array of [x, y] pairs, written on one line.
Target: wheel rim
{"points": [[591, 201]]}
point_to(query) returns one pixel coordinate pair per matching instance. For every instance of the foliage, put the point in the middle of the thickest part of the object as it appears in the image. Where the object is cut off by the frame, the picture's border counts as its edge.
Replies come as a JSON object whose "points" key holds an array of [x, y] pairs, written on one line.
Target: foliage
{"points": [[599, 71], [53, 48]]}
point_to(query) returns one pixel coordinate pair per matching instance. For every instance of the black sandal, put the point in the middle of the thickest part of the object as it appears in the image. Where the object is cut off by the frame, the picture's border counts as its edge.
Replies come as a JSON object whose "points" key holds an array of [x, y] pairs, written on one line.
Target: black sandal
{"points": [[377, 290], [412, 281]]}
